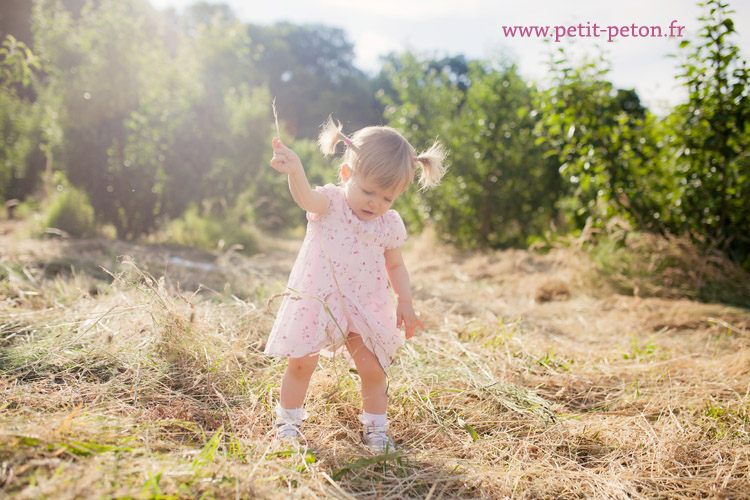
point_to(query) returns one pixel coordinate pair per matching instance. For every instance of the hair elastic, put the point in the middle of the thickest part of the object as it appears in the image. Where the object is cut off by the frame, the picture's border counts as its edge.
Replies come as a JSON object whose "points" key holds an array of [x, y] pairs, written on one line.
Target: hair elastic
{"points": [[347, 141]]}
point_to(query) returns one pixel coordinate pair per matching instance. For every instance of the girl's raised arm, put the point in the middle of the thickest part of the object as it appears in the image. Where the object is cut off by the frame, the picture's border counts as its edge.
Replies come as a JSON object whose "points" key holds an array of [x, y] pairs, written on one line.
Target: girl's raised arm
{"points": [[286, 161]]}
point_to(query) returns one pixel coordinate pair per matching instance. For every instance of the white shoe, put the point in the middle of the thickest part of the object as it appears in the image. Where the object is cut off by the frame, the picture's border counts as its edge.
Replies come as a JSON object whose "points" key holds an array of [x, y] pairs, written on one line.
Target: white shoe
{"points": [[287, 432], [376, 437], [287, 428]]}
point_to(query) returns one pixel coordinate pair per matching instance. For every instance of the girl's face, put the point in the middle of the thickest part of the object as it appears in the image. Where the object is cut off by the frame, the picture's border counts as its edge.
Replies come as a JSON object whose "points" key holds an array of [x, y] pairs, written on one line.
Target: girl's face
{"points": [[366, 198]]}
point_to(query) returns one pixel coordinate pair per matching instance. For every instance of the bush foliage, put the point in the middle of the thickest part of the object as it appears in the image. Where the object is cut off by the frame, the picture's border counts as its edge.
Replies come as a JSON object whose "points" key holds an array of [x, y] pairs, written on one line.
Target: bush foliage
{"points": [[69, 210], [151, 113]]}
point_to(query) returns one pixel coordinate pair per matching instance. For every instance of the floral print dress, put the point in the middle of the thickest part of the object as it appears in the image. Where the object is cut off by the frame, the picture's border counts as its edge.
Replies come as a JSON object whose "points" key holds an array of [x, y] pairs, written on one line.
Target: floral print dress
{"points": [[339, 284]]}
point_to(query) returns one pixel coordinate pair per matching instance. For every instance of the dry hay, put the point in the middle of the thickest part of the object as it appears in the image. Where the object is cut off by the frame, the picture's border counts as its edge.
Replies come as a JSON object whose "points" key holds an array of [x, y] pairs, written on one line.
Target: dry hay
{"points": [[141, 386]]}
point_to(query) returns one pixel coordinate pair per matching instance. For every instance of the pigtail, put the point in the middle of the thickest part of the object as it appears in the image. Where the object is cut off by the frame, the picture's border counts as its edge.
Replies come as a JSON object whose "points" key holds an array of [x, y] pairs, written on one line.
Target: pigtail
{"points": [[330, 135], [432, 165]]}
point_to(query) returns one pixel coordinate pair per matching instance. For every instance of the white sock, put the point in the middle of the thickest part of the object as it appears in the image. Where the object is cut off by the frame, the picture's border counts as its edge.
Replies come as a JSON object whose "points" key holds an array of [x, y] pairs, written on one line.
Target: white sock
{"points": [[294, 415], [375, 419]]}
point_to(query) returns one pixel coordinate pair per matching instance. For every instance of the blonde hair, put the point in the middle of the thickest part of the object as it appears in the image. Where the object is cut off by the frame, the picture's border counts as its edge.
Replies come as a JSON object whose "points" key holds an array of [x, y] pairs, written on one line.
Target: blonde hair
{"points": [[383, 153]]}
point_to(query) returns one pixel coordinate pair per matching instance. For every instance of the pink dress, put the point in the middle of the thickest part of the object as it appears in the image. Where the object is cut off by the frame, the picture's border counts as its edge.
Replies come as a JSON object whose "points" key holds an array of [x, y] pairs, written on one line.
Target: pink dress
{"points": [[339, 284]]}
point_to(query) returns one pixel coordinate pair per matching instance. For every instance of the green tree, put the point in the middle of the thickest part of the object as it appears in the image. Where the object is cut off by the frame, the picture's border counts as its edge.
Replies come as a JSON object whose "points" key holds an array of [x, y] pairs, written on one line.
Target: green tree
{"points": [[420, 100], [310, 69], [607, 146], [20, 118], [713, 128], [500, 190], [156, 114], [218, 125], [96, 64], [515, 186]]}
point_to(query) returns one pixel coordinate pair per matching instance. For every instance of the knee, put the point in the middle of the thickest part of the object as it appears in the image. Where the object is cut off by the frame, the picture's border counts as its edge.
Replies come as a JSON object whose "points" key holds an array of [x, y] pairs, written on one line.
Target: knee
{"points": [[300, 368]]}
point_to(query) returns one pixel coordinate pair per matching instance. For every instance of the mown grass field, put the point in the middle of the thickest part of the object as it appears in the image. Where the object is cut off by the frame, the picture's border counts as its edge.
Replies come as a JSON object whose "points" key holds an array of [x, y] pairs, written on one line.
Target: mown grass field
{"points": [[135, 371]]}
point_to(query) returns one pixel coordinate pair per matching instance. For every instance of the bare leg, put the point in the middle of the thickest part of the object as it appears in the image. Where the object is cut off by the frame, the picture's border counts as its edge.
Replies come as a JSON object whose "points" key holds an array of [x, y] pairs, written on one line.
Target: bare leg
{"points": [[296, 379], [374, 381]]}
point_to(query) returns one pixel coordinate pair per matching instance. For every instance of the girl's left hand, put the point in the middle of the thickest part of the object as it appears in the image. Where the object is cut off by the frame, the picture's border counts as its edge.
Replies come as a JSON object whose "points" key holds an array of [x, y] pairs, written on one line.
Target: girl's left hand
{"points": [[406, 316]]}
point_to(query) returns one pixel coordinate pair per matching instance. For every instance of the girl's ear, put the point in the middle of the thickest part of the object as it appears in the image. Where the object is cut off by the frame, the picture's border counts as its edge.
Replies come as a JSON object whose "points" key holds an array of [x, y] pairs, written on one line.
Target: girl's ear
{"points": [[346, 172]]}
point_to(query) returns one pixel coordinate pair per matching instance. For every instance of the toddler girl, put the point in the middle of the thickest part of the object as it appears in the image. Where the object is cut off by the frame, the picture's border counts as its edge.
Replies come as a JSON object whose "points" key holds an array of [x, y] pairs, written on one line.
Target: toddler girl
{"points": [[338, 290]]}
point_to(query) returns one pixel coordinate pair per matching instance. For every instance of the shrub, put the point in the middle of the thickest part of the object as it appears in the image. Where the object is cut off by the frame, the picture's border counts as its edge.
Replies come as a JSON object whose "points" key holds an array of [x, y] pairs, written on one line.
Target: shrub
{"points": [[69, 210], [210, 228]]}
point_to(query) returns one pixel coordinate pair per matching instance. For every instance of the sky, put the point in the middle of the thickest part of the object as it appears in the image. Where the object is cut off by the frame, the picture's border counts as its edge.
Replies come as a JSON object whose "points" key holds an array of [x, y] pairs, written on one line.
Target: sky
{"points": [[474, 28]]}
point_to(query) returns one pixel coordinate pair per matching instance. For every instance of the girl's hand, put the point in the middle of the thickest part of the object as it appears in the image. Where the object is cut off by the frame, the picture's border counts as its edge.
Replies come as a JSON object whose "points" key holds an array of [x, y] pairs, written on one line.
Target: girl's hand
{"points": [[284, 159], [406, 316]]}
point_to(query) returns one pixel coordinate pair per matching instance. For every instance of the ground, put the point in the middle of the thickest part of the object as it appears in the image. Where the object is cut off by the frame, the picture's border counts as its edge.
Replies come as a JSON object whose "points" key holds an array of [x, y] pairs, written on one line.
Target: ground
{"points": [[136, 371]]}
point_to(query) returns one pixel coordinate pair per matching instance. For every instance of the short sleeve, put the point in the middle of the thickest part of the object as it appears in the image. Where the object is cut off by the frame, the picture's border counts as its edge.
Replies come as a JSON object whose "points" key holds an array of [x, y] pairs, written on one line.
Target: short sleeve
{"points": [[330, 191], [396, 230]]}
